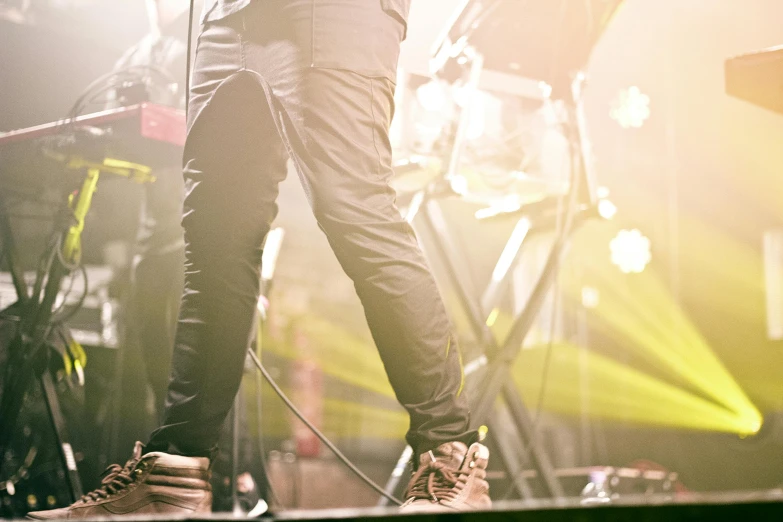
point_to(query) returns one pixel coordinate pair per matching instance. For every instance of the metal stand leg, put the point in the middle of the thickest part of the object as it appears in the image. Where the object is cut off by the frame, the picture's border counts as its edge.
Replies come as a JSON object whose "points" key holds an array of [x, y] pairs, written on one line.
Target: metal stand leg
{"points": [[61, 432], [539, 458], [11, 255], [32, 364], [235, 506], [395, 479]]}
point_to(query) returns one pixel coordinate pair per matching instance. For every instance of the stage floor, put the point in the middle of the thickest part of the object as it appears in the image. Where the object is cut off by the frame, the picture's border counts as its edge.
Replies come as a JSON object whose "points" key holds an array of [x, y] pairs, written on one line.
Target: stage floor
{"points": [[736, 506]]}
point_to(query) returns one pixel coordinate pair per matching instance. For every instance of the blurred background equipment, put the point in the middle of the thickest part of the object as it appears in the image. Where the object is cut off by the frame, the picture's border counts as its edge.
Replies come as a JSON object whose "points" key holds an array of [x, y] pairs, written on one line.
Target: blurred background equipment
{"points": [[73, 154], [39, 321]]}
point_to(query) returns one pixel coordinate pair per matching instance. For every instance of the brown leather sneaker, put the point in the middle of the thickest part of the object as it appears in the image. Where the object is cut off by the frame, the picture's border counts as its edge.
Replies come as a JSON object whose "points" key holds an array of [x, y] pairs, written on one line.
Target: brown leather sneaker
{"points": [[451, 477], [156, 483]]}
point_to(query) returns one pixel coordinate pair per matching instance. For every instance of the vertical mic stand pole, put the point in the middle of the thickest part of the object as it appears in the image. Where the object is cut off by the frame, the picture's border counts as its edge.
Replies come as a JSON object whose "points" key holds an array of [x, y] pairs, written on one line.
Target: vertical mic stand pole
{"points": [[272, 244]]}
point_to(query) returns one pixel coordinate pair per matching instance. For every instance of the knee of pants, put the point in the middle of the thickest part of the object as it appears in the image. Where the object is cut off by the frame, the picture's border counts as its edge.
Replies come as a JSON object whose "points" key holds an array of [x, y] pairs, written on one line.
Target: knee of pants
{"points": [[376, 250], [224, 218], [356, 206]]}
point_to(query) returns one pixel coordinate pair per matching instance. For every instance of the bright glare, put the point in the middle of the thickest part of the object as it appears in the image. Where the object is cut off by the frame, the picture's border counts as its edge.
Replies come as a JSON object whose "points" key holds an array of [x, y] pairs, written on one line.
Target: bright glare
{"points": [[478, 117], [272, 245], [631, 108], [473, 101], [590, 297], [459, 184], [607, 209], [431, 96], [630, 251]]}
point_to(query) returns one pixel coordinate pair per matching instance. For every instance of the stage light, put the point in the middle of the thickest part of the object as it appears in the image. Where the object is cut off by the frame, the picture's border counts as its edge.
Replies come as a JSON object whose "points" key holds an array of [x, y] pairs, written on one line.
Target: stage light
{"points": [[630, 251], [631, 108], [619, 392], [640, 314]]}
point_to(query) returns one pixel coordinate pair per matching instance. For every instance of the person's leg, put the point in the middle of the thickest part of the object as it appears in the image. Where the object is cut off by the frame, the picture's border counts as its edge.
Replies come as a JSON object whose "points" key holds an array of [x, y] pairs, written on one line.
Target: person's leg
{"points": [[233, 162], [341, 149]]}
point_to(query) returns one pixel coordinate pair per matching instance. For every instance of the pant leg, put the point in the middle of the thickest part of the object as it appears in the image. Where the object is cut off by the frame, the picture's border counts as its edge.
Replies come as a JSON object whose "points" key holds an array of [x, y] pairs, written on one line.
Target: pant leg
{"points": [[233, 162], [338, 137]]}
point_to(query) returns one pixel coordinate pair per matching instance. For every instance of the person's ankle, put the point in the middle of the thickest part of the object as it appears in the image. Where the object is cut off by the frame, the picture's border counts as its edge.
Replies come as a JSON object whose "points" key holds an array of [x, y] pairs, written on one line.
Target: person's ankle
{"points": [[182, 451]]}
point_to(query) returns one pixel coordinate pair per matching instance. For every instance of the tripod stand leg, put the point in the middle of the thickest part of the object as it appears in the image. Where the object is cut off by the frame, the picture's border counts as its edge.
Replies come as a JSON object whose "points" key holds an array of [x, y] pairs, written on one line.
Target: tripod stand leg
{"points": [[12, 256], [507, 451], [61, 433], [13, 398], [539, 458], [235, 430], [396, 476]]}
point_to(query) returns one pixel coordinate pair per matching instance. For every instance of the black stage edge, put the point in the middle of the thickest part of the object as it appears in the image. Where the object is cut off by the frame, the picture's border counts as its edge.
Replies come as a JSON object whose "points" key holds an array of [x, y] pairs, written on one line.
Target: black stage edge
{"points": [[742, 507], [734, 507]]}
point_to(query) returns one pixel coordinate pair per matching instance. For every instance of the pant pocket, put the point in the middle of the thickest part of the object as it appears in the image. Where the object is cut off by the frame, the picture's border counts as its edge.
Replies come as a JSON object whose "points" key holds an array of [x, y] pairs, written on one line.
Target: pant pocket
{"points": [[357, 35]]}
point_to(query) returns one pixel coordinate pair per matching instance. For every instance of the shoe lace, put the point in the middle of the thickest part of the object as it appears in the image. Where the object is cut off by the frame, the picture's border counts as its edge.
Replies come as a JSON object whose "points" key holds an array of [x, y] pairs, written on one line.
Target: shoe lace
{"points": [[116, 478], [436, 481]]}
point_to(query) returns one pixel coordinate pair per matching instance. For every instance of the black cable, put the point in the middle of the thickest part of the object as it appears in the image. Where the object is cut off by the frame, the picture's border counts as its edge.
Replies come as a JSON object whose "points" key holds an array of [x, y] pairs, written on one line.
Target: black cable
{"points": [[367, 480], [79, 304], [542, 389], [66, 293], [104, 83], [101, 84], [260, 427], [61, 258]]}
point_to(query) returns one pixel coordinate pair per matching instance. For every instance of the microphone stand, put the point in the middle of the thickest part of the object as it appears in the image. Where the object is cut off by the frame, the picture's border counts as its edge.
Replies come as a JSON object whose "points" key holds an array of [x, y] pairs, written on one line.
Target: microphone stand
{"points": [[272, 246]]}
